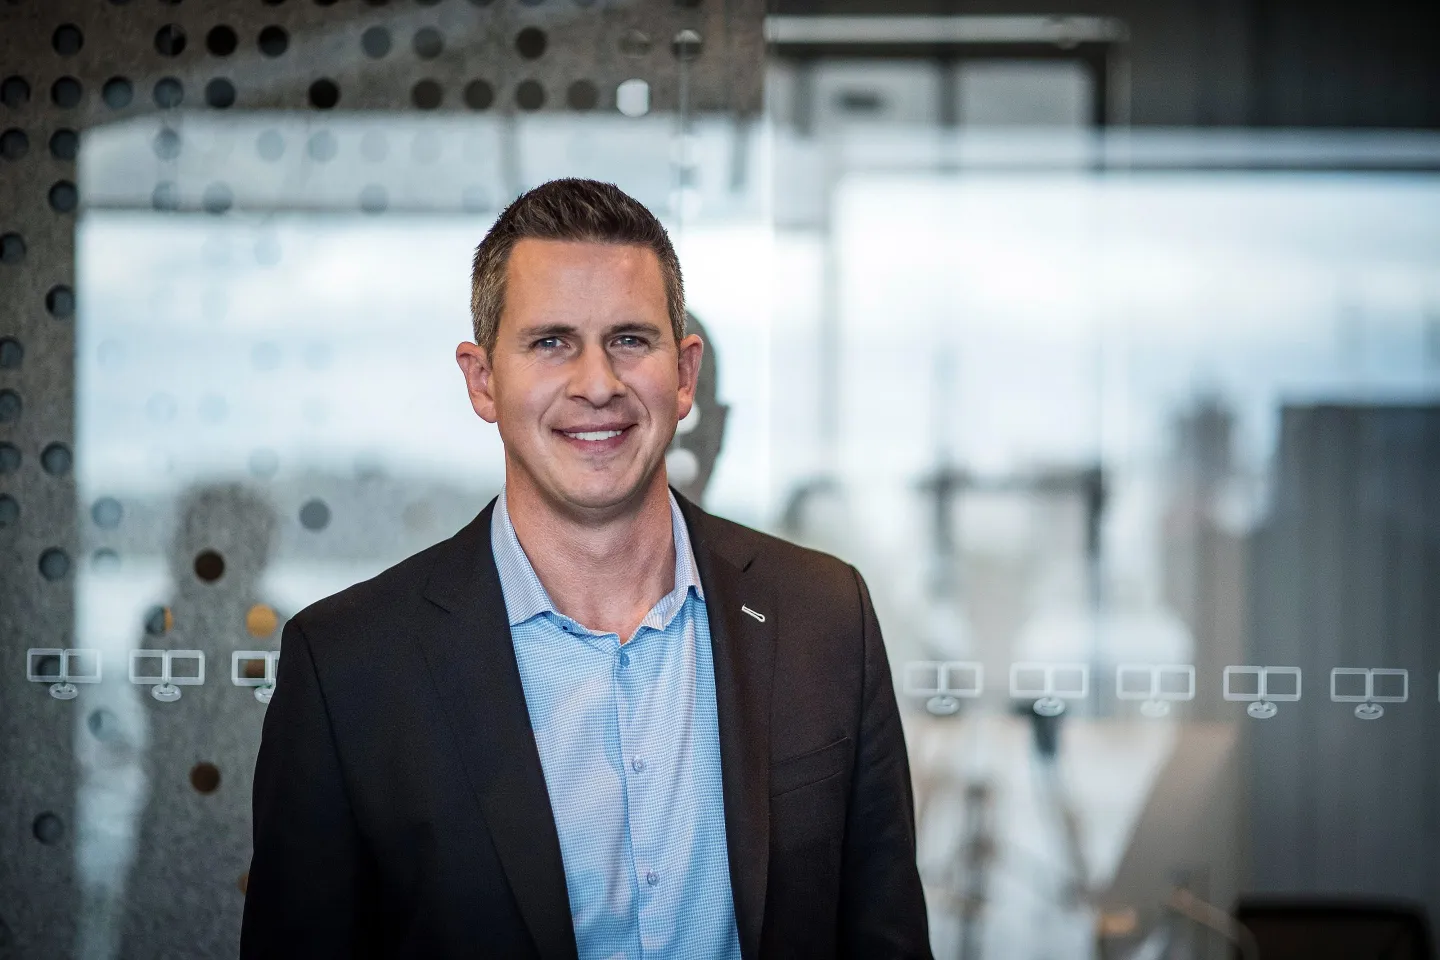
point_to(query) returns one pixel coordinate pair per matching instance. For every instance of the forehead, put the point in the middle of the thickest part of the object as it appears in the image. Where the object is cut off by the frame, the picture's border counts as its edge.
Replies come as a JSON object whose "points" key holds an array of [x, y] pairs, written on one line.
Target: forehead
{"points": [[561, 274]]}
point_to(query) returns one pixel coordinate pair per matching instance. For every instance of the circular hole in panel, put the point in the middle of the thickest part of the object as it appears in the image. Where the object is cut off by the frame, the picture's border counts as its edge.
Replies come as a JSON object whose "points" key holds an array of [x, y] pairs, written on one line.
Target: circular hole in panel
{"points": [[632, 98], [635, 43], [263, 463], [64, 144], [267, 251], [160, 407], [682, 466], [530, 43], [54, 564], [218, 198], [159, 621], [10, 406], [270, 145], [12, 354], [221, 41], [686, 45], [117, 93], [373, 146], [169, 93], [479, 95], [63, 196], [12, 248], [14, 91], [220, 93], [373, 198], [170, 40], [107, 513], [48, 828], [322, 146], [14, 144], [104, 725], [426, 95], [261, 620], [324, 94], [273, 41], [375, 42], [60, 301], [67, 40], [582, 95], [205, 777], [66, 92], [56, 459], [165, 196], [167, 144], [426, 147], [428, 43], [9, 458], [209, 566], [315, 515], [265, 355], [529, 95], [213, 408], [9, 511], [105, 561]]}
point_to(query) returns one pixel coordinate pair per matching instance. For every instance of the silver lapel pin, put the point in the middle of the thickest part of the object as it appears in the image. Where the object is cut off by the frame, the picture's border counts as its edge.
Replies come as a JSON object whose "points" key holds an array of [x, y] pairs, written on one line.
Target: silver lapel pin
{"points": [[757, 616]]}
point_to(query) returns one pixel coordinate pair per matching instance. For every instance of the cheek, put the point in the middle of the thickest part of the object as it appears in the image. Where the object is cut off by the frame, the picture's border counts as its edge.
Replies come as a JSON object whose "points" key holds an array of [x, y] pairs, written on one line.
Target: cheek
{"points": [[659, 391], [523, 400]]}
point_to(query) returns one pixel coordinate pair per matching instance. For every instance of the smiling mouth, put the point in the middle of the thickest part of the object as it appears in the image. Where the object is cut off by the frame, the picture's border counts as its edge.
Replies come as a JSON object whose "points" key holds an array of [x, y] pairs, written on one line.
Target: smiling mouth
{"points": [[592, 435], [604, 439]]}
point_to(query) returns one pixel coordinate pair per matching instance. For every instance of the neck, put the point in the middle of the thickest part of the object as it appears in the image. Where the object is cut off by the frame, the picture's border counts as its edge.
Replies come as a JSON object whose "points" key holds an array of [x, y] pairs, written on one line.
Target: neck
{"points": [[605, 573]]}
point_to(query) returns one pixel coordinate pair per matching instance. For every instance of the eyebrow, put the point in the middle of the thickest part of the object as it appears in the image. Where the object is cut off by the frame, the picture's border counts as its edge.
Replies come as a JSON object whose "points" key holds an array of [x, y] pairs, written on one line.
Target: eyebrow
{"points": [[564, 329]]}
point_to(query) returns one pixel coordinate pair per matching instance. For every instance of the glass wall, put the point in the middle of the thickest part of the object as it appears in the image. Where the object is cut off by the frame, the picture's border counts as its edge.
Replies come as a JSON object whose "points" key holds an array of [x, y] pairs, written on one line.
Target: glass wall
{"points": [[1134, 434]]}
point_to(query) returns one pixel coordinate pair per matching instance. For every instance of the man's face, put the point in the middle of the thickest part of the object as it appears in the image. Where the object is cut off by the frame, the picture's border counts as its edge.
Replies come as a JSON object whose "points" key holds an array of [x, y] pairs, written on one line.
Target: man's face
{"points": [[585, 381]]}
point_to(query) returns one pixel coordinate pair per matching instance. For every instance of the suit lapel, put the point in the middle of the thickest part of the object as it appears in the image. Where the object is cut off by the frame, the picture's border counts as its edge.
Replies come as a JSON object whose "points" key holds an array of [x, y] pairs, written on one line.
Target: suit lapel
{"points": [[472, 665], [744, 653]]}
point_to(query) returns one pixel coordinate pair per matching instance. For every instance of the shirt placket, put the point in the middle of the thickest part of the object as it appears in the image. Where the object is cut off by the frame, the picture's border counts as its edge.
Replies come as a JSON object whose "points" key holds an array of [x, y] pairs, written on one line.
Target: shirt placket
{"points": [[634, 676]]}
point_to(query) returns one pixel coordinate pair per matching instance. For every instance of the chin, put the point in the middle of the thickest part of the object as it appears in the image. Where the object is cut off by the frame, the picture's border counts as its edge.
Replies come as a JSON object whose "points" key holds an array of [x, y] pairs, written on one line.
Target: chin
{"points": [[598, 493]]}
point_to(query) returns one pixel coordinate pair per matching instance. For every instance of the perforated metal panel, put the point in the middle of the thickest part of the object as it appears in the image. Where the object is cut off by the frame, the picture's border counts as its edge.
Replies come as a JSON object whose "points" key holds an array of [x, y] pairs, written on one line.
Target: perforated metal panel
{"points": [[112, 105]]}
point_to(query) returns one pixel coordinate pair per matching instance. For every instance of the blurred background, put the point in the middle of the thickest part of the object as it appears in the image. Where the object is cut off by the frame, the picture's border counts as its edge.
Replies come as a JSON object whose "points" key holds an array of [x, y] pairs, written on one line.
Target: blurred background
{"points": [[1103, 337]]}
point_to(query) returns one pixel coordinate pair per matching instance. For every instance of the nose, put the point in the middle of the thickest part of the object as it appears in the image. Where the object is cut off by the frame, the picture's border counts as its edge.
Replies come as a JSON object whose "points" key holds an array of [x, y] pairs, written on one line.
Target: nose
{"points": [[594, 377]]}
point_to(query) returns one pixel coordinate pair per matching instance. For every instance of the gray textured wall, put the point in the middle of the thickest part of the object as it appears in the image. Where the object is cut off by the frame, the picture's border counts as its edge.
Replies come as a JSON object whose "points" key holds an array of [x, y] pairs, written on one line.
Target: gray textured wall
{"points": [[69, 768]]}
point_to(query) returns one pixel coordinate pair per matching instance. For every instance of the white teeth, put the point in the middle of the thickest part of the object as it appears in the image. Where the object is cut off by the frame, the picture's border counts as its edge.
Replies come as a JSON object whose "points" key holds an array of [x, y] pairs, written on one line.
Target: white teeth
{"points": [[596, 434]]}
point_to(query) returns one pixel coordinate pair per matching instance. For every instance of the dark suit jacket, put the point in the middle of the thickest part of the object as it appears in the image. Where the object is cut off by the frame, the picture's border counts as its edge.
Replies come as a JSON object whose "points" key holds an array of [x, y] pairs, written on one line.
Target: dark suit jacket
{"points": [[400, 809]]}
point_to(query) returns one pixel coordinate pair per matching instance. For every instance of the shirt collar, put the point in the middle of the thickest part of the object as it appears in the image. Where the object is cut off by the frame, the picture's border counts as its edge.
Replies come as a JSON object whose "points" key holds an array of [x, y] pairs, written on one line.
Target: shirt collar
{"points": [[525, 595]]}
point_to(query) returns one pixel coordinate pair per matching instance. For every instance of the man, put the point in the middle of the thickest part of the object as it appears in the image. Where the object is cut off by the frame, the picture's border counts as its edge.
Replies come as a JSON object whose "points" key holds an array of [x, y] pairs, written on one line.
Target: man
{"points": [[597, 721]]}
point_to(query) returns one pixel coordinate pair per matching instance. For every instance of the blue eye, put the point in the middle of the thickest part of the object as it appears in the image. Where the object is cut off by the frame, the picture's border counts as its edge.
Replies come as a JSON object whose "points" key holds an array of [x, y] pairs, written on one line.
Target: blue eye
{"points": [[547, 343]]}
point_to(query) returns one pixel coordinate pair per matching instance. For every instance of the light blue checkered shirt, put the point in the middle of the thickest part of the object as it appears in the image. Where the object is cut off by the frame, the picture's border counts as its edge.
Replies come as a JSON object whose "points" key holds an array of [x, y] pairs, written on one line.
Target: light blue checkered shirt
{"points": [[630, 746]]}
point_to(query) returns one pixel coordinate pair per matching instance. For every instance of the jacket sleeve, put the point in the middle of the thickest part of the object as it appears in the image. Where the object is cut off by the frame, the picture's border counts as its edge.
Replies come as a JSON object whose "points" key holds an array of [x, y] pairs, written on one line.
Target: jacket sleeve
{"points": [[882, 905], [305, 883]]}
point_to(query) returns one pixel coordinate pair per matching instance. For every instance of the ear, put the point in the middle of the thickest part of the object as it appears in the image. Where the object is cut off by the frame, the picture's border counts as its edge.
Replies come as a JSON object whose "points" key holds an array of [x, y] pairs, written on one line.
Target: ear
{"points": [[479, 381], [692, 348]]}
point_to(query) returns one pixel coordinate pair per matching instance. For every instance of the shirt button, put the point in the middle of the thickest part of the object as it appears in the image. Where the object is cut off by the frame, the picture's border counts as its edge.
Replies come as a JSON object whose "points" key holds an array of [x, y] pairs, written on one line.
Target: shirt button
{"points": [[638, 765], [652, 878], [624, 659]]}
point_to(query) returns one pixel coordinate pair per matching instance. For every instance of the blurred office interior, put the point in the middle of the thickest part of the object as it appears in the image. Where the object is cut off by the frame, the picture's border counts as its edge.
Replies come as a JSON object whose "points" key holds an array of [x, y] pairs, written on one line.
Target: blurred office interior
{"points": [[1102, 337]]}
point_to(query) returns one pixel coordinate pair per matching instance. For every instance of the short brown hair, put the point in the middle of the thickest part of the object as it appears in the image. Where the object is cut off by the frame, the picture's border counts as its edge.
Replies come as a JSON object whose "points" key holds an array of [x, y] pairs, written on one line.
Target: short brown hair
{"points": [[569, 209]]}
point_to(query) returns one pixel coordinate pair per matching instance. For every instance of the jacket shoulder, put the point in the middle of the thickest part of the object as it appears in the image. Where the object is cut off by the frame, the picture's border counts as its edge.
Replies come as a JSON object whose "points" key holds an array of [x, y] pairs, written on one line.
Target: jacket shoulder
{"points": [[777, 557], [390, 594]]}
